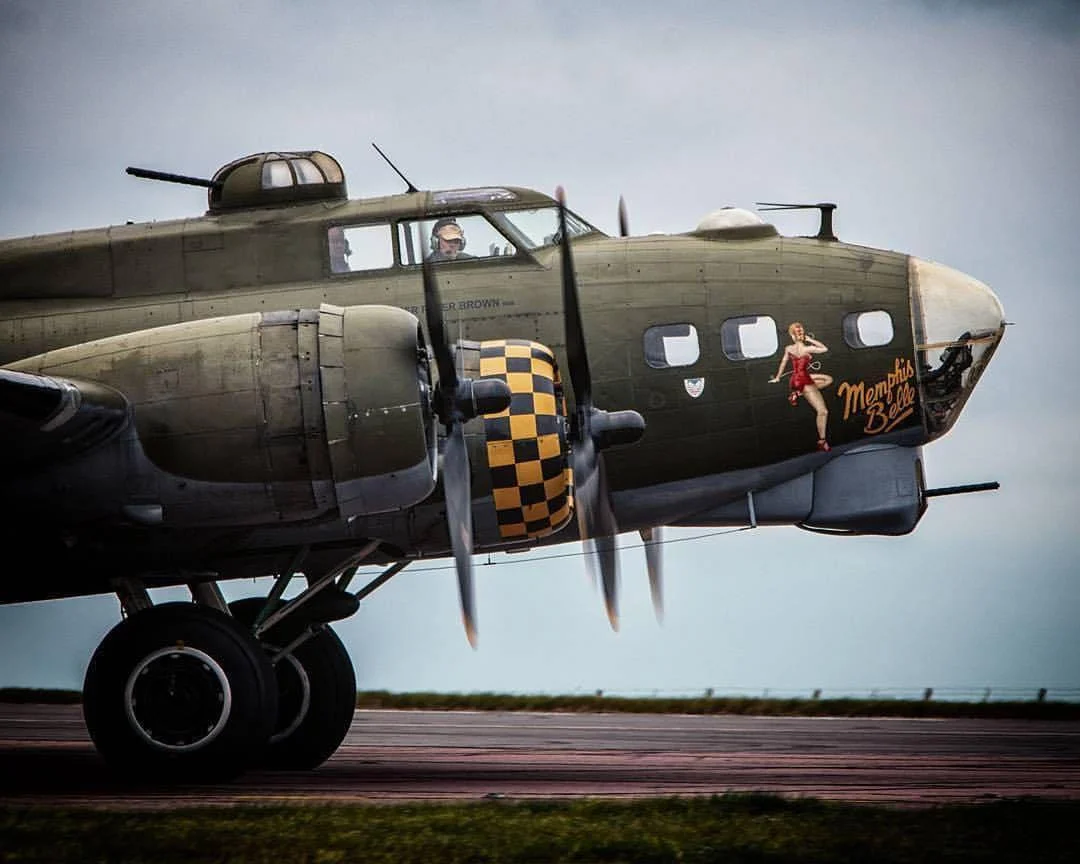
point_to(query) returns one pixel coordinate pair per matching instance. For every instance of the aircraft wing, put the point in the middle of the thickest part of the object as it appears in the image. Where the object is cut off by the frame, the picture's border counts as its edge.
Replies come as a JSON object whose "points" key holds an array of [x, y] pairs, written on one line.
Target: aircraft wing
{"points": [[45, 419]]}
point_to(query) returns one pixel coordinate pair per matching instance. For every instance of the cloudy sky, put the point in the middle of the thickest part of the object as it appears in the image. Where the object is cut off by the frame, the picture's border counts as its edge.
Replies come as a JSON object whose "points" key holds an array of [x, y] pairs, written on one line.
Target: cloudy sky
{"points": [[946, 130]]}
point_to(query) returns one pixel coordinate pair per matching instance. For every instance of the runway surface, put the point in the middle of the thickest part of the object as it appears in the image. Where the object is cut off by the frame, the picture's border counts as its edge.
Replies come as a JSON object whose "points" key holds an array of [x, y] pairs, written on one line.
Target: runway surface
{"points": [[46, 757]]}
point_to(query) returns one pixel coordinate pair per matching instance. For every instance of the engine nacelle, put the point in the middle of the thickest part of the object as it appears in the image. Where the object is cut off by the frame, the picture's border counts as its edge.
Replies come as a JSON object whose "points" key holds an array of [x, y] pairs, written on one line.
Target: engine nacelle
{"points": [[271, 416]]}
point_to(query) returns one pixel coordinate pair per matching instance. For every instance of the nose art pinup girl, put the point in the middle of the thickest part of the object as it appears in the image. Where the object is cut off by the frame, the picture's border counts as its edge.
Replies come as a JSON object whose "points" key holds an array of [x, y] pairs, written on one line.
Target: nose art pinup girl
{"points": [[804, 382]]}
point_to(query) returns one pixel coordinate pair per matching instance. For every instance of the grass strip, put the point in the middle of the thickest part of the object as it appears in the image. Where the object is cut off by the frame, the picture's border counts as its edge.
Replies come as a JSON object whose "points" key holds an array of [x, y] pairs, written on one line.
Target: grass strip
{"points": [[734, 828], [721, 705]]}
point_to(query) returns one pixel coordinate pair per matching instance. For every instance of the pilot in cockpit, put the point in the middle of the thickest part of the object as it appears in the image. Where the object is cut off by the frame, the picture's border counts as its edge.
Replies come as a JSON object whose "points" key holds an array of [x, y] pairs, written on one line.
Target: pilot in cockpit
{"points": [[447, 241]]}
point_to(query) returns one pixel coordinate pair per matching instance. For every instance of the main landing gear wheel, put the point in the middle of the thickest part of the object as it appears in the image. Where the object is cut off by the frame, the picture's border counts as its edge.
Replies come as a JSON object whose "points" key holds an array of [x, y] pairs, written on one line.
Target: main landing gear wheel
{"points": [[316, 692], [179, 692]]}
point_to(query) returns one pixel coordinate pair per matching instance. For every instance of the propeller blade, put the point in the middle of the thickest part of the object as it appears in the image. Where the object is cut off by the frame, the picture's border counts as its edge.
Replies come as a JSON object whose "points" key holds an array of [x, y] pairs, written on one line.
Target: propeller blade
{"points": [[576, 355], [444, 359], [583, 460], [590, 486], [592, 430], [458, 490], [605, 529], [457, 402], [596, 523], [652, 537], [624, 222], [609, 576]]}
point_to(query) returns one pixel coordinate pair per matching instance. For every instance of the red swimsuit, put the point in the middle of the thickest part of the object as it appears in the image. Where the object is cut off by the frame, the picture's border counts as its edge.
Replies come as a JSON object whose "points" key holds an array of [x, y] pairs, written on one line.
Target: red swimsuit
{"points": [[800, 376]]}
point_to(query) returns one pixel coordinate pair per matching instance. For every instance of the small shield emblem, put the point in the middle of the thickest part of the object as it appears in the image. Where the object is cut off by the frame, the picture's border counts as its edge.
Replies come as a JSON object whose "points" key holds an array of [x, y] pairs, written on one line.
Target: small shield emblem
{"points": [[694, 386]]}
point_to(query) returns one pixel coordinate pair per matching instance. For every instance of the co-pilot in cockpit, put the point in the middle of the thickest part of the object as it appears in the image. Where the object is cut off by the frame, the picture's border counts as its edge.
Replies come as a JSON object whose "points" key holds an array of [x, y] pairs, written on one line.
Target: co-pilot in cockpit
{"points": [[339, 250]]}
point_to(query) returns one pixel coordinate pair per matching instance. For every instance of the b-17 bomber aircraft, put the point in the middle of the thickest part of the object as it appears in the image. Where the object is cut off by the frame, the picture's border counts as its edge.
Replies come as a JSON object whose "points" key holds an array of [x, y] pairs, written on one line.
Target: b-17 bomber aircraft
{"points": [[295, 384]]}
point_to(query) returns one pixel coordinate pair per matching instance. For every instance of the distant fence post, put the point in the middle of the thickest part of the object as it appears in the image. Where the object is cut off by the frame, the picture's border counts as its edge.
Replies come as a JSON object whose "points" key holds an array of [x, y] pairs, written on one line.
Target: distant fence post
{"points": [[928, 694]]}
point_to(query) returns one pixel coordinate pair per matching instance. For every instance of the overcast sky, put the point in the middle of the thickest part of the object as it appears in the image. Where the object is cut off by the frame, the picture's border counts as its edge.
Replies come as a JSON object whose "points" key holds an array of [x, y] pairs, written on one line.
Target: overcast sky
{"points": [[946, 130]]}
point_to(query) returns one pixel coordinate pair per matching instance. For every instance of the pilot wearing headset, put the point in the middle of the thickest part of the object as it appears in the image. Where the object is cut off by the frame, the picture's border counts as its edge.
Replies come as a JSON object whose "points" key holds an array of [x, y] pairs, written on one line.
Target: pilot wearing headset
{"points": [[447, 241]]}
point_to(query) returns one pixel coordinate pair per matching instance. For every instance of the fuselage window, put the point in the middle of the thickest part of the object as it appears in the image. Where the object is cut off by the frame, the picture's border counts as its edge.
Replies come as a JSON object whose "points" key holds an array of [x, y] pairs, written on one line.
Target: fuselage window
{"points": [[749, 337], [868, 329], [672, 345], [452, 239], [360, 247]]}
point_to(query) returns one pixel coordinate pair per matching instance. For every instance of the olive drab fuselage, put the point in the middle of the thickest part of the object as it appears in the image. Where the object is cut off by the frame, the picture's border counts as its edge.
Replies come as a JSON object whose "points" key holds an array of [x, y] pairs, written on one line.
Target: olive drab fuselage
{"points": [[218, 328]]}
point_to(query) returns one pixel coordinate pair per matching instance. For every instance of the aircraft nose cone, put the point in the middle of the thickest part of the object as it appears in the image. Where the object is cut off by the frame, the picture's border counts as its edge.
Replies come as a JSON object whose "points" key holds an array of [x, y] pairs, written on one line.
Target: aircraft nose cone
{"points": [[958, 324], [953, 302]]}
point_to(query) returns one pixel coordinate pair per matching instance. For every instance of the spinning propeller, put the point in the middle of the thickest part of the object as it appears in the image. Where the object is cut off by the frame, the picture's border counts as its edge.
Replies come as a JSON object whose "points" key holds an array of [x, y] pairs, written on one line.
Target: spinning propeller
{"points": [[651, 537], [592, 430], [456, 402]]}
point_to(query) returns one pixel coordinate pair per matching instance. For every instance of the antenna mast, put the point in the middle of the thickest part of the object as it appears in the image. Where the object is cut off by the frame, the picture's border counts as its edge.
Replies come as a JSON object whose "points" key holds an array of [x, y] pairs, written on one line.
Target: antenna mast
{"points": [[408, 182], [825, 229]]}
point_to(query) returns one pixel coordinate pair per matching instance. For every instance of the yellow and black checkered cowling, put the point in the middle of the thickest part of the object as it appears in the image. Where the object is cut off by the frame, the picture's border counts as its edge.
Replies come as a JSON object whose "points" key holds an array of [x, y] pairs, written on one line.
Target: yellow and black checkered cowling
{"points": [[526, 444]]}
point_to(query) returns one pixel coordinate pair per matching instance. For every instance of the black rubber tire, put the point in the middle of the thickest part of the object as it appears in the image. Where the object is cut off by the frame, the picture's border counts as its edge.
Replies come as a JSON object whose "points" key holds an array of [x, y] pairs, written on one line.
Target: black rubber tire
{"points": [[331, 697], [176, 689]]}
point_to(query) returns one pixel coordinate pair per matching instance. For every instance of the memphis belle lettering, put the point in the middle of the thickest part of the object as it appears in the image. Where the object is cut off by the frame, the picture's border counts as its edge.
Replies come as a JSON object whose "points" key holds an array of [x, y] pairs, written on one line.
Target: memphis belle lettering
{"points": [[885, 403]]}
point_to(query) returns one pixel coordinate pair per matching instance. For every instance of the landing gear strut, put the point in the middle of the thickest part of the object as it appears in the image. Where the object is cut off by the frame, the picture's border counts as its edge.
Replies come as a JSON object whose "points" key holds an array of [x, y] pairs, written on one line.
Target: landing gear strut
{"points": [[201, 691], [316, 690]]}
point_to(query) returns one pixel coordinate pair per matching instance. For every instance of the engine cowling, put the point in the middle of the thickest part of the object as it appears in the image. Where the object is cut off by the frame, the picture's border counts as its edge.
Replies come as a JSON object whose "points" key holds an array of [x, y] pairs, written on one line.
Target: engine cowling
{"points": [[527, 492], [272, 416]]}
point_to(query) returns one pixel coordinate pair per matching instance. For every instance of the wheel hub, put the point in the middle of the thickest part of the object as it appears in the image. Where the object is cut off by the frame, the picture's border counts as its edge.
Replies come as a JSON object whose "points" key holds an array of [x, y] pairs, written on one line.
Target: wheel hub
{"points": [[294, 697], [178, 699]]}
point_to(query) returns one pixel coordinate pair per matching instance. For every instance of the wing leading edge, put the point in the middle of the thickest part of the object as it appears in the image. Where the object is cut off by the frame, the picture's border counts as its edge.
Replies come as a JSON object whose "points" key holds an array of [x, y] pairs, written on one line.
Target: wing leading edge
{"points": [[44, 419]]}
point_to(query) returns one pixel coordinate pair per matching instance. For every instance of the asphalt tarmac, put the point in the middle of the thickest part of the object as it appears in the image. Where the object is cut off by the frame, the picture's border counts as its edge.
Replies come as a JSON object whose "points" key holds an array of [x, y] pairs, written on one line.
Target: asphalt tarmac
{"points": [[46, 757]]}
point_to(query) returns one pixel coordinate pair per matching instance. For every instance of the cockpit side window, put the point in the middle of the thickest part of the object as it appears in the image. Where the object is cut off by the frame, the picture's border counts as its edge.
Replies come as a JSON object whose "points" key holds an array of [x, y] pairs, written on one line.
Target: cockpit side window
{"points": [[452, 239], [539, 226], [360, 247]]}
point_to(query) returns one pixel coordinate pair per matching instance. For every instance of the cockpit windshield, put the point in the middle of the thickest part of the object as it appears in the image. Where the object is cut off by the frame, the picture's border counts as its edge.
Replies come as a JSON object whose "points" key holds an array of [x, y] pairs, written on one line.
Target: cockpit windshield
{"points": [[540, 226]]}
